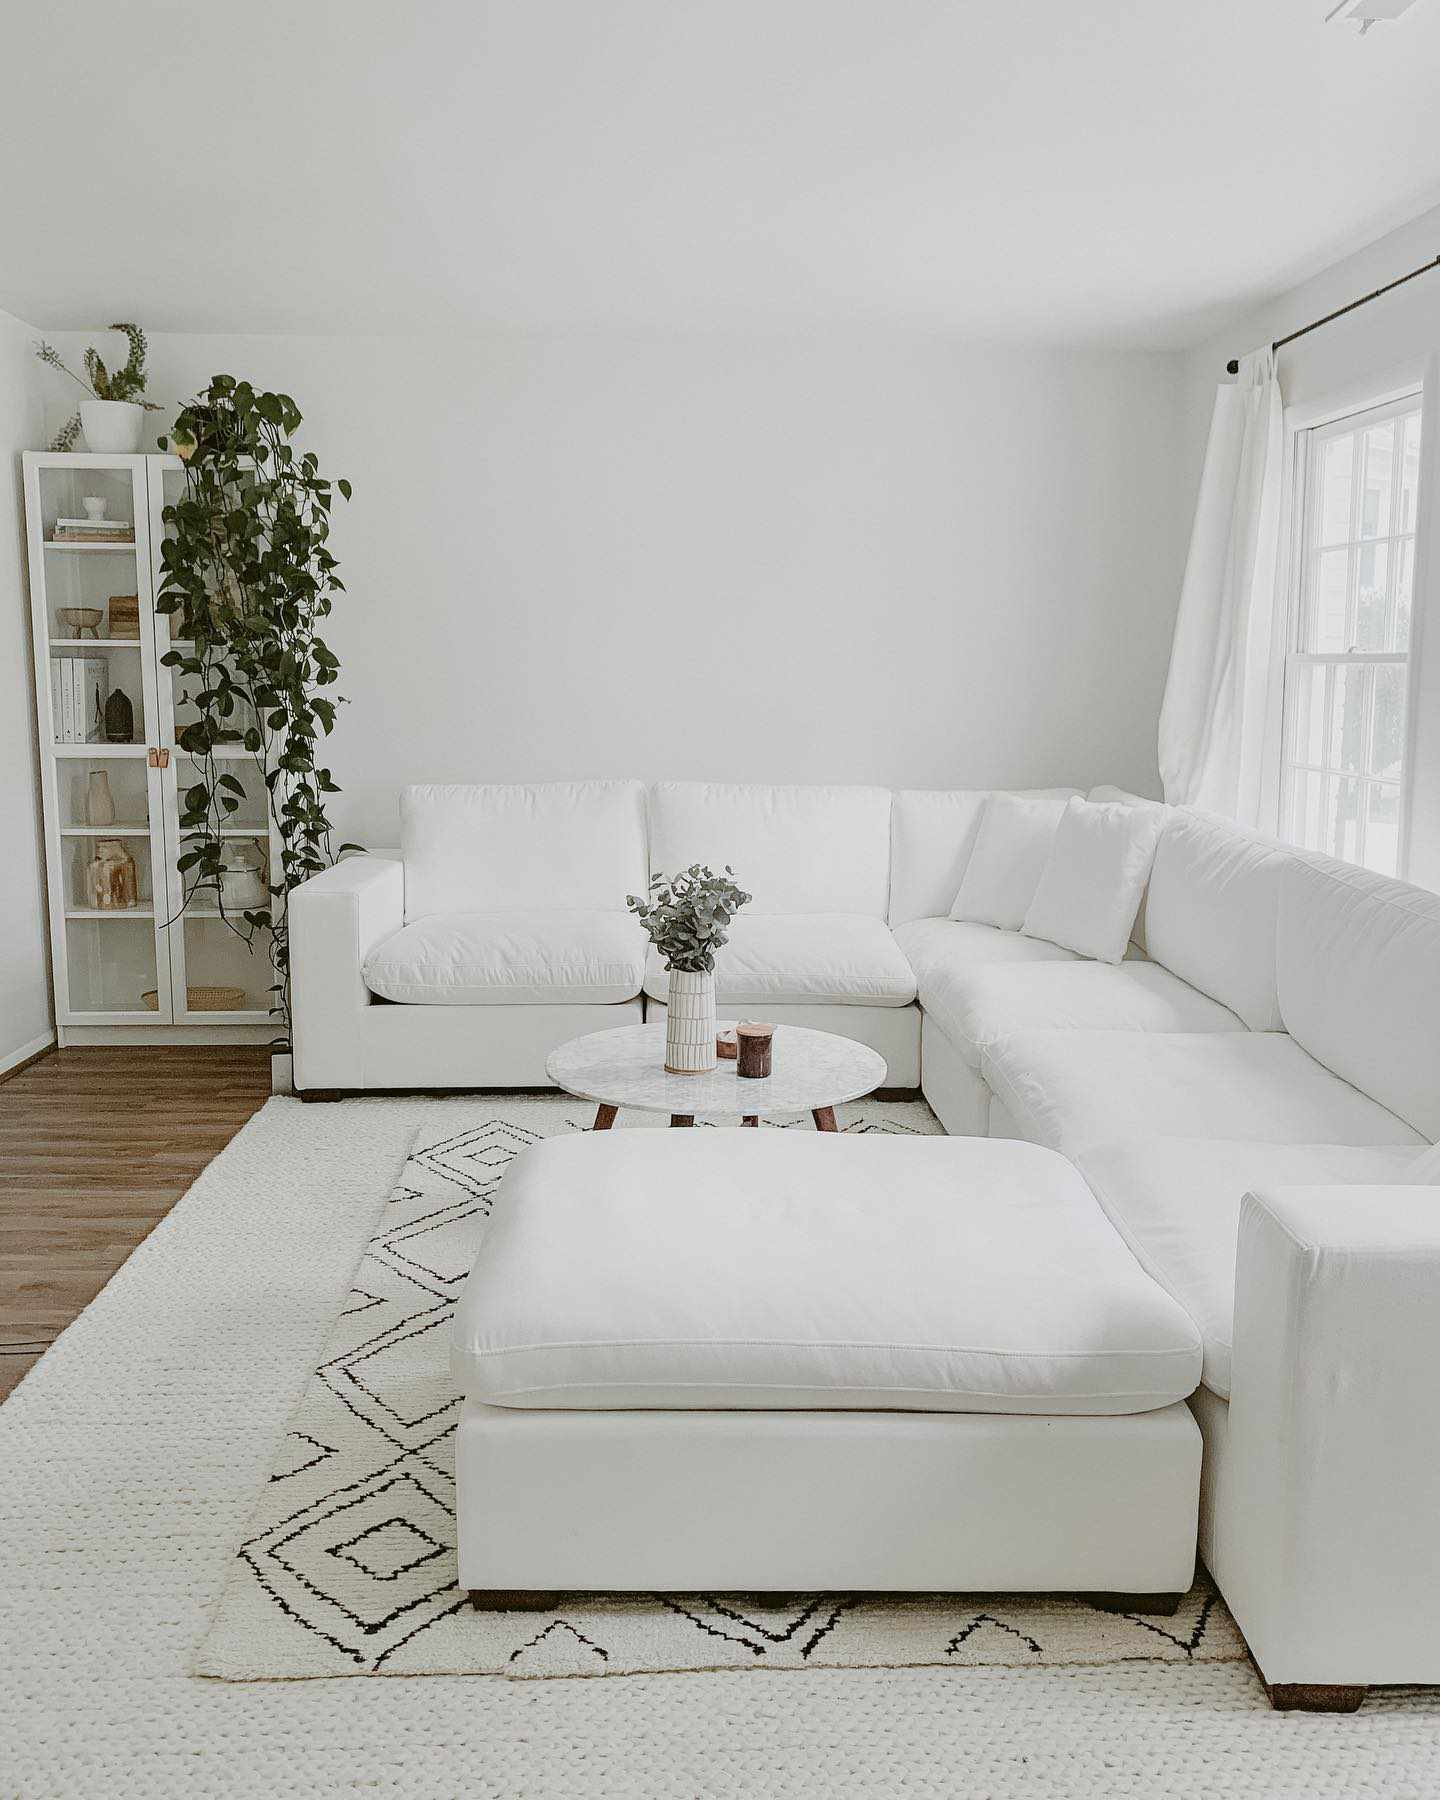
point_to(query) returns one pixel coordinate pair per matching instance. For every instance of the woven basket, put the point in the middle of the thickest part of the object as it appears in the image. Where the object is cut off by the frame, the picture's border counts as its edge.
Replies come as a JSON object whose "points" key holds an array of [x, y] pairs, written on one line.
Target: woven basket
{"points": [[205, 999]]}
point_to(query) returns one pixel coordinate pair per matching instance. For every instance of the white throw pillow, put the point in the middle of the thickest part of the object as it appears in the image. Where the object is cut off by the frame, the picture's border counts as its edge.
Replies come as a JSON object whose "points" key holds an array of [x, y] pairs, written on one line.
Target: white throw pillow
{"points": [[1011, 845], [1089, 890]]}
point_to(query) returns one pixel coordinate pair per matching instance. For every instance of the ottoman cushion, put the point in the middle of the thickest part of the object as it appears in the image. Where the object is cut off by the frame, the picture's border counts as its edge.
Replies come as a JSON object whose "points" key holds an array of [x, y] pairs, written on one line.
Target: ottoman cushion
{"points": [[780, 1269]]}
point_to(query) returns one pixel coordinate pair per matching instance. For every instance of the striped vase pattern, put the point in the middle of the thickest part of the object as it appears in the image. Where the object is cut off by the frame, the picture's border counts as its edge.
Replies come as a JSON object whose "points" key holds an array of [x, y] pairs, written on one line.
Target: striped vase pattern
{"points": [[690, 1022]]}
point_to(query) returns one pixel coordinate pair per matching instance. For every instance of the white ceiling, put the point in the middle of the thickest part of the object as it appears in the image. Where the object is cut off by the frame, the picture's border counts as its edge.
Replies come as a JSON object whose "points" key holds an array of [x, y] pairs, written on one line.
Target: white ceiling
{"points": [[1123, 171]]}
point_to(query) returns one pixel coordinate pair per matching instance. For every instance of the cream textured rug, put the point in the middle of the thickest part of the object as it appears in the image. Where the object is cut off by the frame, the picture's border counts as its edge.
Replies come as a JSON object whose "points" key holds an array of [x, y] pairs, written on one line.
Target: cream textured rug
{"points": [[130, 1459], [348, 1567]]}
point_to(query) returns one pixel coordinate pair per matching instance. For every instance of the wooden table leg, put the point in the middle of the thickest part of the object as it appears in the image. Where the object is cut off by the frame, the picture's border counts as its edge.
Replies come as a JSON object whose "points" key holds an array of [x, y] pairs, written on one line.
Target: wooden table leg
{"points": [[824, 1117], [750, 1119], [682, 1118], [604, 1117]]}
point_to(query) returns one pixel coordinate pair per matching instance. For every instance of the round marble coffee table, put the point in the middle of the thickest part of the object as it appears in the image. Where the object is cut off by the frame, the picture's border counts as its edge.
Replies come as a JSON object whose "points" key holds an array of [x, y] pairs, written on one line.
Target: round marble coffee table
{"points": [[813, 1071]]}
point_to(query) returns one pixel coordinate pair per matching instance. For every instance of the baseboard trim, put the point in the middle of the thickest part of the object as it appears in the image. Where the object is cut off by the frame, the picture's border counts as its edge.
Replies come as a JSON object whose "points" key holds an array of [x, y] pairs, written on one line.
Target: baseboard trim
{"points": [[26, 1054]]}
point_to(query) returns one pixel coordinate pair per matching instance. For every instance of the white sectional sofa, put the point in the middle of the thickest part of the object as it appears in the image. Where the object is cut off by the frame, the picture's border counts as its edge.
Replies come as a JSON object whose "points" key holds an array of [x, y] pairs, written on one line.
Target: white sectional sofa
{"points": [[1264, 1073]]}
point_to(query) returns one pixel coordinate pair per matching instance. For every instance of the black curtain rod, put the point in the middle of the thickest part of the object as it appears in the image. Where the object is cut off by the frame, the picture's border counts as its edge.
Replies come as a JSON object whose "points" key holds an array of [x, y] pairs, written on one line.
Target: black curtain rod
{"points": [[1233, 366]]}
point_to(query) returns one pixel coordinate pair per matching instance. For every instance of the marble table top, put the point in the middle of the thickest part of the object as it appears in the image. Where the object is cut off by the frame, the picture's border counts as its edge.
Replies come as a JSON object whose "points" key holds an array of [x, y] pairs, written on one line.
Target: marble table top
{"points": [[810, 1069]]}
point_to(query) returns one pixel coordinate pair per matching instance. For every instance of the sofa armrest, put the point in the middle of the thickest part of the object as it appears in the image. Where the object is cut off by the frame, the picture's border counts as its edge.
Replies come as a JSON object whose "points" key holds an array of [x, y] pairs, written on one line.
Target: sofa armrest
{"points": [[336, 919], [1334, 1427]]}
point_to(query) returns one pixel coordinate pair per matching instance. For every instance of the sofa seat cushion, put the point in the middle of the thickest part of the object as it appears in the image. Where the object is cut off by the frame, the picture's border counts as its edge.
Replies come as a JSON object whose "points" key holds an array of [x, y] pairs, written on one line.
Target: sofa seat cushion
{"points": [[511, 959], [1176, 1202], [976, 1008], [794, 959], [1072, 1088], [798, 1269], [938, 948]]}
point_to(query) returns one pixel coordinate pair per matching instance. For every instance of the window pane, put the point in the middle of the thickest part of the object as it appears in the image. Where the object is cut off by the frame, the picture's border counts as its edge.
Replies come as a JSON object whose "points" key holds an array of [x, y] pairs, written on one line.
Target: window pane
{"points": [[1307, 800], [1376, 472], [1404, 587], [1308, 714], [1337, 458], [1340, 825], [1387, 732], [1329, 610], [1382, 827], [1343, 731], [1372, 597], [1409, 472]]}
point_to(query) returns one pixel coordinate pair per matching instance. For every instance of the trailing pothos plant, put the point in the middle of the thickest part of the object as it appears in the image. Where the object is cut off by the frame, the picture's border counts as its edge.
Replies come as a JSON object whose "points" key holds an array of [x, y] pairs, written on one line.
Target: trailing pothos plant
{"points": [[247, 578]]}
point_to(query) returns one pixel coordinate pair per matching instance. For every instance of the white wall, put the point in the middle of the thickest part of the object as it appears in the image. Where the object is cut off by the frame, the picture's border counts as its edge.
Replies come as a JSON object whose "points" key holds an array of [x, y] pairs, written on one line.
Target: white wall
{"points": [[1382, 348], [879, 558], [25, 1015]]}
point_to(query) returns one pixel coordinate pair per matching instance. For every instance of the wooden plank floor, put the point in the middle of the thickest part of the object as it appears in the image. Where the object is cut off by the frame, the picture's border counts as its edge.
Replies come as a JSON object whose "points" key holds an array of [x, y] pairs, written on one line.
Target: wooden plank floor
{"points": [[96, 1146]]}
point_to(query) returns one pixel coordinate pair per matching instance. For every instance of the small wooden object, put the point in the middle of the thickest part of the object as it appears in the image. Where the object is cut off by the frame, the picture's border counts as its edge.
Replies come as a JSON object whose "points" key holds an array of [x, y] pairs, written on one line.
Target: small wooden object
{"points": [[81, 619], [1314, 1696], [754, 1045], [124, 612], [111, 880], [726, 1046]]}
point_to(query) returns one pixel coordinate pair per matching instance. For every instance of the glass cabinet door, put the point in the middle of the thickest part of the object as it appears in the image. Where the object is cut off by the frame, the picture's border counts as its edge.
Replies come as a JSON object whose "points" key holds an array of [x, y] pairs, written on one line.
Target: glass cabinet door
{"points": [[93, 625], [216, 976]]}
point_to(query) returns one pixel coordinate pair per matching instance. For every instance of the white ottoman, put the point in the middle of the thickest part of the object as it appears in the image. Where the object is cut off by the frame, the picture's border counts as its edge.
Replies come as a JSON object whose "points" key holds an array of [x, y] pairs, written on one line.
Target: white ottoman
{"points": [[733, 1360]]}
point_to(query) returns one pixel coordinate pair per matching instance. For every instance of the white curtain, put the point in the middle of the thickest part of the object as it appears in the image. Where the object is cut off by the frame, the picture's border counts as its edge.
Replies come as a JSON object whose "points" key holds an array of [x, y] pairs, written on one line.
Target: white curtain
{"points": [[1214, 717]]}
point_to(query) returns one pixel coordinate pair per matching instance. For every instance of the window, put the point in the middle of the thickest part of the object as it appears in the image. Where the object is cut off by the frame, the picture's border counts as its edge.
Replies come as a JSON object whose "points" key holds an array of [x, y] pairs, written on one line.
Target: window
{"points": [[1347, 671]]}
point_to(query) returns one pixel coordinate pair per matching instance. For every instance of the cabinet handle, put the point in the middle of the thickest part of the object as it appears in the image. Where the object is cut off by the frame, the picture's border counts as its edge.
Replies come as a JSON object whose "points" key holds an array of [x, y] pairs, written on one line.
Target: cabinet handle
{"points": [[159, 759], [153, 758]]}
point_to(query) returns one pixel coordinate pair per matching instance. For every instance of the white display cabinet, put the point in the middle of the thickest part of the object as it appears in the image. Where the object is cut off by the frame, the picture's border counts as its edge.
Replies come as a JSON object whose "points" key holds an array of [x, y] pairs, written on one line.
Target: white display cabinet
{"points": [[135, 969]]}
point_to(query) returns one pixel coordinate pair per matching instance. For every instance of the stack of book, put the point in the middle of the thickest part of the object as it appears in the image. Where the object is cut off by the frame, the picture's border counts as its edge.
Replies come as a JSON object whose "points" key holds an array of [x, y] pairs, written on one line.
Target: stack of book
{"points": [[93, 531], [79, 686]]}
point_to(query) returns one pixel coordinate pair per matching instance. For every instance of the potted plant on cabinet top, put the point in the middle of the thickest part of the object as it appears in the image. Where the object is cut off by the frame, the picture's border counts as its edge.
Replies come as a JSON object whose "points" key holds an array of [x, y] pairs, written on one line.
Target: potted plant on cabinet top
{"points": [[686, 921], [114, 415]]}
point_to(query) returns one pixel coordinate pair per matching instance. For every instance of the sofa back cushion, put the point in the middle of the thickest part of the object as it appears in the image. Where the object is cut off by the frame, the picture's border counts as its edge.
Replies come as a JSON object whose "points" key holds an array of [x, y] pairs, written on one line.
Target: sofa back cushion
{"points": [[932, 832], [1210, 914], [1358, 967], [795, 849], [551, 845]]}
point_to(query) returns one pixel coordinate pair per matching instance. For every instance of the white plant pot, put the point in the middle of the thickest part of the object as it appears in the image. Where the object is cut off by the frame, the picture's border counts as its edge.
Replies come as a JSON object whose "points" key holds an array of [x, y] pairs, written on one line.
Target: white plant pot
{"points": [[112, 427], [282, 1074], [690, 1023]]}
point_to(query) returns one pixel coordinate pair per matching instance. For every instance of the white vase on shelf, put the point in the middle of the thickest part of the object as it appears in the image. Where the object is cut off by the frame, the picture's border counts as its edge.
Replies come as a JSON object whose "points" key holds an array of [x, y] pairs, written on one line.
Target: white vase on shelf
{"points": [[690, 1022], [99, 801], [112, 427]]}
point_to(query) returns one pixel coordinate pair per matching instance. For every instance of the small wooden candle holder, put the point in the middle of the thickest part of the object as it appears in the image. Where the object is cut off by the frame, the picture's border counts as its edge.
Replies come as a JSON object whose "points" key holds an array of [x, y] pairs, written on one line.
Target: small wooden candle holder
{"points": [[726, 1045], [754, 1043]]}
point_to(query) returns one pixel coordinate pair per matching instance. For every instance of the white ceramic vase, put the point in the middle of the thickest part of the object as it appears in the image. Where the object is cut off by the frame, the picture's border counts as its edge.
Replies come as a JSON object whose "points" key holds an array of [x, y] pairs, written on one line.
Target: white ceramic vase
{"points": [[99, 801], [112, 427], [690, 1023]]}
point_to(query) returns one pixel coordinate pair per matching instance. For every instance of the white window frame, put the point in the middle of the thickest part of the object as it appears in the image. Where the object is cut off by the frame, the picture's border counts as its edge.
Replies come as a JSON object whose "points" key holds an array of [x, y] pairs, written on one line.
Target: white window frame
{"points": [[1305, 431]]}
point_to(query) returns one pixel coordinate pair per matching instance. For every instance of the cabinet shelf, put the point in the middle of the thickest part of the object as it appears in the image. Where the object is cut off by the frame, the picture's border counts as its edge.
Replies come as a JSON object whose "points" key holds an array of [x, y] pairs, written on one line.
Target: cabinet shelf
{"points": [[91, 549], [109, 912], [59, 644], [138, 828], [98, 749]]}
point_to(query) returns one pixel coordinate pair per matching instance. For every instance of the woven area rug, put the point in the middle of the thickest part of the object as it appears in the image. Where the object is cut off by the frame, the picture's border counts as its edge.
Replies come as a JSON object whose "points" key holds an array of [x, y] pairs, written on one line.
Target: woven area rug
{"points": [[348, 1566], [130, 1460]]}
